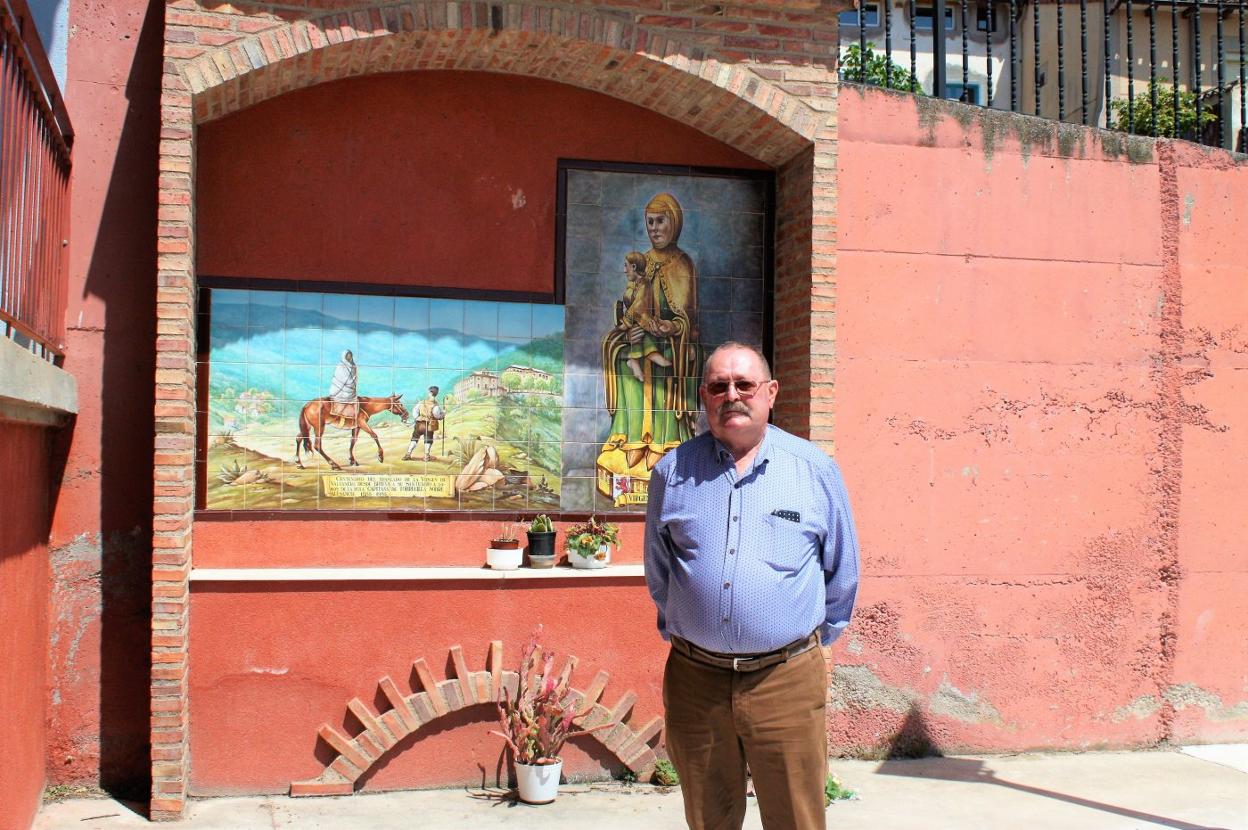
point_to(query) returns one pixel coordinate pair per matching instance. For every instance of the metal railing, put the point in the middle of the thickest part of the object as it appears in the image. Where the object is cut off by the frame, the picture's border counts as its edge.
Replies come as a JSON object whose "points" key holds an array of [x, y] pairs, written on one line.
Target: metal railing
{"points": [[1069, 60], [35, 141]]}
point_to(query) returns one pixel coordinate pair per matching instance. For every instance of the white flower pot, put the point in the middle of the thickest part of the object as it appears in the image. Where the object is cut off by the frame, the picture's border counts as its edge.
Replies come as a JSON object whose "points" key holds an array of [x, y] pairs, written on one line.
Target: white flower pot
{"points": [[538, 783], [599, 560], [504, 560]]}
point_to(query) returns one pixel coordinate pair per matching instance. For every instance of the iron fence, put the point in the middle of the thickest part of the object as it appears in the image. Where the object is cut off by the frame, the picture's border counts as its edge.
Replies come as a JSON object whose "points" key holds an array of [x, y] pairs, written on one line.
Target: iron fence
{"points": [[35, 141], [1070, 60]]}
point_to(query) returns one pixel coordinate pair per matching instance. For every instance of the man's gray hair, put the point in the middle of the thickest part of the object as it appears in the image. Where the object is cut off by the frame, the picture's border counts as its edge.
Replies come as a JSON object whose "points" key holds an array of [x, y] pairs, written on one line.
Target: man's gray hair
{"points": [[733, 344]]}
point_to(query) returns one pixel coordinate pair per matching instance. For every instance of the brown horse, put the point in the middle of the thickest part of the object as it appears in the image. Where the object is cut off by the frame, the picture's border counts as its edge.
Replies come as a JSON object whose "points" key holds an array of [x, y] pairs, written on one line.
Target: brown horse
{"points": [[315, 417]]}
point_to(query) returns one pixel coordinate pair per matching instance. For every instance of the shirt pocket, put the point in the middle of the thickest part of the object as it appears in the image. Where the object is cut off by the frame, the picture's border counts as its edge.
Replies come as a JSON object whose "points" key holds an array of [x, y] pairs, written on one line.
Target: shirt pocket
{"points": [[789, 545]]}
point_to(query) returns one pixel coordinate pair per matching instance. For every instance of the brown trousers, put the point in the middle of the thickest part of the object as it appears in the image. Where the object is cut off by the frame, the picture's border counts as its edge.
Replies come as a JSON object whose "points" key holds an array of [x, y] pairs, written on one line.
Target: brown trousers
{"points": [[718, 721]]}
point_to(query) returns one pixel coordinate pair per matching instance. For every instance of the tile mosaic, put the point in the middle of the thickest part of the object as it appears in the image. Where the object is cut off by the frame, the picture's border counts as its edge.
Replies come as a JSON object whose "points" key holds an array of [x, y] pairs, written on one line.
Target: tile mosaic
{"points": [[585, 221], [515, 320], [747, 296], [714, 294], [446, 315], [228, 307], [747, 328], [341, 310], [481, 319], [304, 310], [548, 320], [411, 314], [267, 309], [336, 342], [581, 255], [376, 346], [584, 187], [620, 190], [377, 310], [228, 344]]}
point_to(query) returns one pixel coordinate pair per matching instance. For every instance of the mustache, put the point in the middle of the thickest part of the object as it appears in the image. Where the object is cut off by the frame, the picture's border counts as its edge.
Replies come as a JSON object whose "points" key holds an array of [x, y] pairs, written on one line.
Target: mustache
{"points": [[733, 406]]}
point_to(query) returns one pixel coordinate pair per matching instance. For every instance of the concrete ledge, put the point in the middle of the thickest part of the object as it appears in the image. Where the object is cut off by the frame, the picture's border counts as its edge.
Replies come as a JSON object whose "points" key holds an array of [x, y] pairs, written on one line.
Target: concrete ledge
{"points": [[404, 574], [33, 390]]}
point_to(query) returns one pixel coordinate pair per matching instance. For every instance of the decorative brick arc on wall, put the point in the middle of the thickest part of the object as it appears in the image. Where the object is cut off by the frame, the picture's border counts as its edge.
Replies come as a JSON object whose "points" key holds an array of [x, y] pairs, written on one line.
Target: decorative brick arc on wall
{"points": [[757, 76], [410, 712]]}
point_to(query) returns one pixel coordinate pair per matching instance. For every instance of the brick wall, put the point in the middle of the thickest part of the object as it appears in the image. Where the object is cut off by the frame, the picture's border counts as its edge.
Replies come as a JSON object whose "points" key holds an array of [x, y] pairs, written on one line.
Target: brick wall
{"points": [[754, 76]]}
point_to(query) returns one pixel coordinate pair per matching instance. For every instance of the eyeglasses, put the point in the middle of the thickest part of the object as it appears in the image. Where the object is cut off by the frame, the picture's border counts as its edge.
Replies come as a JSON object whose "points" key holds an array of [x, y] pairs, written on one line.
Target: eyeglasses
{"points": [[745, 388]]}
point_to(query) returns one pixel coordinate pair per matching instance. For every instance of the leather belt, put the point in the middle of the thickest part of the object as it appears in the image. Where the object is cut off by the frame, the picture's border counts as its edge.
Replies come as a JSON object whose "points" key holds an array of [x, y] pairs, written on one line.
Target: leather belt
{"points": [[745, 662]]}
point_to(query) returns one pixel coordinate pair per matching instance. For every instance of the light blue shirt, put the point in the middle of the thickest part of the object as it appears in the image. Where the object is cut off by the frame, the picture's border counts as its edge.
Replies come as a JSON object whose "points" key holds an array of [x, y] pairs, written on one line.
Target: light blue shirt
{"points": [[744, 565]]}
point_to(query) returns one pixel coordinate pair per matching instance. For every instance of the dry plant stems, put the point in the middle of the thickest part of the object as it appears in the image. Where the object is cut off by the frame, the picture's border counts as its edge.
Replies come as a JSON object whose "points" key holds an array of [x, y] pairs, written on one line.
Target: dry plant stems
{"points": [[537, 722]]}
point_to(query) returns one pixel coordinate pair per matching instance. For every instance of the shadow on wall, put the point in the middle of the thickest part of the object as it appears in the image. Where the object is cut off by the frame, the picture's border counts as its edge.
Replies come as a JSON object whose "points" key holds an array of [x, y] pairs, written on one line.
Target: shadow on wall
{"points": [[122, 275], [913, 741]]}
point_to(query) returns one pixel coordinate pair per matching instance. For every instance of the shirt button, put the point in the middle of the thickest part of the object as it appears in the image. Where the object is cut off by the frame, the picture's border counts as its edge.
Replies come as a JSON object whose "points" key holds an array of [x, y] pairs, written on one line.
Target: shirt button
{"points": [[731, 551], [734, 518], [726, 619], [727, 584]]}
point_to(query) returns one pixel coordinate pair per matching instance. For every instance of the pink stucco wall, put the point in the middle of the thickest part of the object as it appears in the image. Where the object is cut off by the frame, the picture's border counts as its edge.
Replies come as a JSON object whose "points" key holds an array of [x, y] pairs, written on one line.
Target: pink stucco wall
{"points": [[1036, 338], [25, 475]]}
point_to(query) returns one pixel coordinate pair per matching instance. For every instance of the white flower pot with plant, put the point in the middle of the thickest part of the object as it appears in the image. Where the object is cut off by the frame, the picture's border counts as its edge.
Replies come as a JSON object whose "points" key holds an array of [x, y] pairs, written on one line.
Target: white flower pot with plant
{"points": [[504, 552], [537, 721], [591, 543]]}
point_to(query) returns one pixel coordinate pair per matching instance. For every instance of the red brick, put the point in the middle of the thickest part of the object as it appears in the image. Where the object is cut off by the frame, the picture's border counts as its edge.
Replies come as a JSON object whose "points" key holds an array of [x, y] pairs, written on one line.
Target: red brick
{"points": [[309, 788]]}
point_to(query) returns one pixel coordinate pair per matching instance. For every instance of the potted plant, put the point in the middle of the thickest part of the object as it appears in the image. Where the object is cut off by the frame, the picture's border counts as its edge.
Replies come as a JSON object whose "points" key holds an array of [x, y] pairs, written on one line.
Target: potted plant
{"points": [[590, 543], [537, 721], [541, 542], [504, 553]]}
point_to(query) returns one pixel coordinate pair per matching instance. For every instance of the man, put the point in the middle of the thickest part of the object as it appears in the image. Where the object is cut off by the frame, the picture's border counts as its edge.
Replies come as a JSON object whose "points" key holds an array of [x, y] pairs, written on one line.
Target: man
{"points": [[344, 402], [752, 560], [428, 413]]}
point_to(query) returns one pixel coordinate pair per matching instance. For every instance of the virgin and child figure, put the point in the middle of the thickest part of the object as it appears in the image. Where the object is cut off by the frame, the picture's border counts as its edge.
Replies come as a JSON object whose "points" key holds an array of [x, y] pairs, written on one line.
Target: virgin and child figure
{"points": [[650, 357]]}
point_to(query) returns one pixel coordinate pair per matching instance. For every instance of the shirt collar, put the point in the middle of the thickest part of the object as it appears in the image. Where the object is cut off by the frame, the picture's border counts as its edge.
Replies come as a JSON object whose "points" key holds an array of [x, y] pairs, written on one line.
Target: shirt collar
{"points": [[724, 455]]}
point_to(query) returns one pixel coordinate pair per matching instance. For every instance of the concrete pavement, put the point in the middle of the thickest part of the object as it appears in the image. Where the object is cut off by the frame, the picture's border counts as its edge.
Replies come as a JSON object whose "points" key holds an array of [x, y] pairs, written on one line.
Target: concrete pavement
{"points": [[1200, 788]]}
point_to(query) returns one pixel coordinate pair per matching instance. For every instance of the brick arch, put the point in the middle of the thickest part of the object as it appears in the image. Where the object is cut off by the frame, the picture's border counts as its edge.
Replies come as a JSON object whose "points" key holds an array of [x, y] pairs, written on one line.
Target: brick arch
{"points": [[587, 49], [407, 713]]}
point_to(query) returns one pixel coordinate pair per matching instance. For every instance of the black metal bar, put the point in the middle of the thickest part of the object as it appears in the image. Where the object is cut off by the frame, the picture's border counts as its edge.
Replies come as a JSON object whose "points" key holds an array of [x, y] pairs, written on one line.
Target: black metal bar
{"points": [[1221, 83], [1243, 110], [1152, 66], [862, 40], [1196, 67], [1083, 60], [1108, 76], [1035, 67], [966, 74], [939, 56], [1014, 55], [1174, 66], [1130, 70], [888, 43], [988, 47], [1061, 61], [914, 50]]}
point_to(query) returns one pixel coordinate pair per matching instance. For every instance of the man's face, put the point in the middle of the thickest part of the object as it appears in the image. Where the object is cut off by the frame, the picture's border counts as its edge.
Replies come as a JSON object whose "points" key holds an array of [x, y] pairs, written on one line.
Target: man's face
{"points": [[735, 419], [659, 229]]}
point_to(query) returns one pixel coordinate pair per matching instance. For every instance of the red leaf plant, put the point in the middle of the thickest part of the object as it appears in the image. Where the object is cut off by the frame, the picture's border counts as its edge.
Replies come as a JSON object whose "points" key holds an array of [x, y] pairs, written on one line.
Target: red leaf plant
{"points": [[537, 722]]}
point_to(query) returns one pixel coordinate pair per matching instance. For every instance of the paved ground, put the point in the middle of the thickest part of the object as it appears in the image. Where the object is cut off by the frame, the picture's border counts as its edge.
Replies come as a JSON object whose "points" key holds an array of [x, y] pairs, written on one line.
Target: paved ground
{"points": [[1200, 788]]}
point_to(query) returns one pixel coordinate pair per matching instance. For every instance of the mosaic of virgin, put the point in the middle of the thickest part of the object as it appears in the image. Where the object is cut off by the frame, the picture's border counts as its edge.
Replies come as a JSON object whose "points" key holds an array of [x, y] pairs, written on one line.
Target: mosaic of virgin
{"points": [[650, 358]]}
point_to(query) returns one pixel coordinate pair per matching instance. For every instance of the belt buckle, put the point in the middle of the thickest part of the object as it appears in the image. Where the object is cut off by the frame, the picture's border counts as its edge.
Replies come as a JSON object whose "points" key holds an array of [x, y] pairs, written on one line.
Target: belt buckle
{"points": [[735, 662]]}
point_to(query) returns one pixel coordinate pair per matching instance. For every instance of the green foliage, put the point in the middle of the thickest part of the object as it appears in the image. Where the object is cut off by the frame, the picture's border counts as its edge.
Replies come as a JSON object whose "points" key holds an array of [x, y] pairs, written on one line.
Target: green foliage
{"points": [[1141, 122], [834, 790], [877, 70], [665, 774], [541, 524]]}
